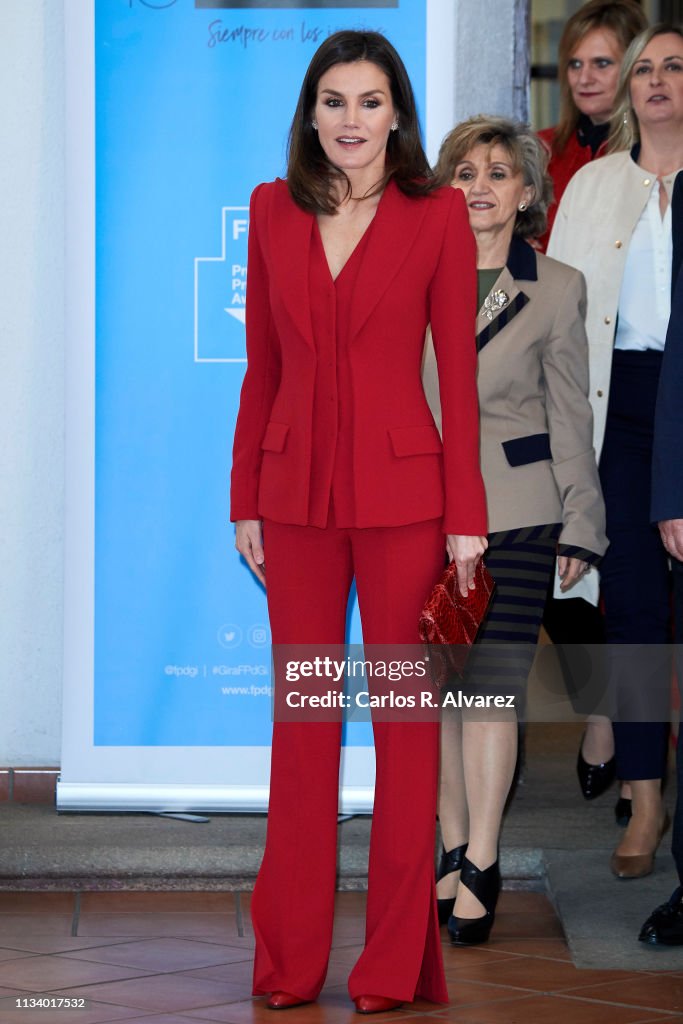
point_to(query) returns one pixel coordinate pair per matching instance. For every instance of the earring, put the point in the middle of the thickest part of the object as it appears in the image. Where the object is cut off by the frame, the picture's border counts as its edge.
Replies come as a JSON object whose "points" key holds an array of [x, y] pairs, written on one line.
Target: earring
{"points": [[626, 117], [314, 125], [394, 126], [522, 207]]}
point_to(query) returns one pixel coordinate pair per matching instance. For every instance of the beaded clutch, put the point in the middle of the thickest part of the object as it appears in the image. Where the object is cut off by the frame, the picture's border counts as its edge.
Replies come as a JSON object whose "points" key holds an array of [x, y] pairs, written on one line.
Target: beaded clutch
{"points": [[449, 622]]}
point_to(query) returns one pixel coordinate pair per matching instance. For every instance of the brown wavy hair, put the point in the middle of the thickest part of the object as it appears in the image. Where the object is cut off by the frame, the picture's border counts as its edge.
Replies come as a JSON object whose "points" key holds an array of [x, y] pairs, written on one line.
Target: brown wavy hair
{"points": [[526, 152], [625, 18], [312, 179]]}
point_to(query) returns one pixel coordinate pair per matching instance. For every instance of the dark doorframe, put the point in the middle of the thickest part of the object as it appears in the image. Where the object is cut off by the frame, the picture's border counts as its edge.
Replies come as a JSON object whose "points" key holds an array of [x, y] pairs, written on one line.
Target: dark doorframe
{"points": [[671, 11]]}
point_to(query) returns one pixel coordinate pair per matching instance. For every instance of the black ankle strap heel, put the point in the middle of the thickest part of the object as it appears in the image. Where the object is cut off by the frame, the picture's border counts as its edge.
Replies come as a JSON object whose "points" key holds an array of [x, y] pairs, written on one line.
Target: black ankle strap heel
{"points": [[451, 860], [485, 885]]}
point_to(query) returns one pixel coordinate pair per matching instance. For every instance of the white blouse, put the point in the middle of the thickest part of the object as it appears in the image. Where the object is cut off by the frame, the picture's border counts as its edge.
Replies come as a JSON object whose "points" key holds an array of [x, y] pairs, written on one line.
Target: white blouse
{"points": [[645, 297]]}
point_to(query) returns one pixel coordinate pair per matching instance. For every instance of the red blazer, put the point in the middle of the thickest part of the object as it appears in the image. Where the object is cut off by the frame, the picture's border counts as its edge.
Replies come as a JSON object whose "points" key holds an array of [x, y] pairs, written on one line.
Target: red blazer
{"points": [[562, 167], [418, 265]]}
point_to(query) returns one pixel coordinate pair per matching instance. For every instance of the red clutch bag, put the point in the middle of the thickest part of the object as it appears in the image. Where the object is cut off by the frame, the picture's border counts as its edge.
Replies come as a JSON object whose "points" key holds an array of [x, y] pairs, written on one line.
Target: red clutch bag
{"points": [[449, 622]]}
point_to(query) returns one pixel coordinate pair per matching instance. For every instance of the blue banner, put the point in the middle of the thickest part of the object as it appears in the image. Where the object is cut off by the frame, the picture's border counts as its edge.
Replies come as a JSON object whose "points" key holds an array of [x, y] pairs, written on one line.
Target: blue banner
{"points": [[193, 104]]}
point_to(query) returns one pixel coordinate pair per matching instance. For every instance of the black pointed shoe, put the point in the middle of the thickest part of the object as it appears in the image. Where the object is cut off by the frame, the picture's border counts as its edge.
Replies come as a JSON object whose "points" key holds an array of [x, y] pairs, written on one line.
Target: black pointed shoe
{"points": [[664, 926], [622, 811], [485, 885], [450, 861], [594, 779]]}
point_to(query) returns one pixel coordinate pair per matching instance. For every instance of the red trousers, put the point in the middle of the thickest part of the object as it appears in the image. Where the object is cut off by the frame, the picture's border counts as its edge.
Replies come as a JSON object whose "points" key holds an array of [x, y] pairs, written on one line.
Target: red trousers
{"points": [[309, 572]]}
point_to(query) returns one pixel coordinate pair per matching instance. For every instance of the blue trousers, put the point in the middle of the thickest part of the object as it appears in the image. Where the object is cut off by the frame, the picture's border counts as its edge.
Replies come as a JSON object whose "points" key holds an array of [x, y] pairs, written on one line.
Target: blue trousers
{"points": [[677, 839], [635, 573]]}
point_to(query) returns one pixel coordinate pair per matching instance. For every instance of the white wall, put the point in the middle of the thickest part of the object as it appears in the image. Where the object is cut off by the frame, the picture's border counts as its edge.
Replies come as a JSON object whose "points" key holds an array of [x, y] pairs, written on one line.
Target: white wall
{"points": [[31, 379], [479, 63], [491, 58]]}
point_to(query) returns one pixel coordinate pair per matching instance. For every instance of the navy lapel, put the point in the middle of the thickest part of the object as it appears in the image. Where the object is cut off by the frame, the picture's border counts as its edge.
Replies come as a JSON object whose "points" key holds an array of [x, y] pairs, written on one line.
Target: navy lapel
{"points": [[502, 320], [521, 266]]}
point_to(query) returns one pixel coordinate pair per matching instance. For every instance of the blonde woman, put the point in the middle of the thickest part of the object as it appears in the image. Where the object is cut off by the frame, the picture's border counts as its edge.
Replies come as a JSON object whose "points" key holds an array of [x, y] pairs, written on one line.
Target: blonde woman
{"points": [[591, 50], [616, 224]]}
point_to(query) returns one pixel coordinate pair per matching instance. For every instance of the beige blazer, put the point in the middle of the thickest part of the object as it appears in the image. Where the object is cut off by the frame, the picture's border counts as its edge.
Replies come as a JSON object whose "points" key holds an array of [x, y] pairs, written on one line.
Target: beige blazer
{"points": [[595, 220], [536, 424]]}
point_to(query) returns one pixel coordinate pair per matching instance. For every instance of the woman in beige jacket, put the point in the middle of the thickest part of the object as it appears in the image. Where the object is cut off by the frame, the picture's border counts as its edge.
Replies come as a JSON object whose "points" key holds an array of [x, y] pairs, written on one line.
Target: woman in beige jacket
{"points": [[542, 489]]}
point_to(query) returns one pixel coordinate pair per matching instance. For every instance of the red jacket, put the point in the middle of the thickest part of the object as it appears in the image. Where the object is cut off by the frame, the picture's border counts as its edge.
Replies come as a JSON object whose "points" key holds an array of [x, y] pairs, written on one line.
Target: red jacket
{"points": [[418, 266], [562, 167]]}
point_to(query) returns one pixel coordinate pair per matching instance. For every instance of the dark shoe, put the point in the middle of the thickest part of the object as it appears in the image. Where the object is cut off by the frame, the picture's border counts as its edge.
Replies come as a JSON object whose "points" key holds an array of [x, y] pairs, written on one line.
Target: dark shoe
{"points": [[376, 1004], [451, 861], [285, 1001], [594, 779], [622, 811], [664, 926], [485, 885], [641, 864]]}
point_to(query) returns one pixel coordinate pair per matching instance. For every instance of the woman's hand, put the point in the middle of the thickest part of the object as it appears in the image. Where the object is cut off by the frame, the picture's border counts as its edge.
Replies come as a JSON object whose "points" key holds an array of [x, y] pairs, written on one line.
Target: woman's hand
{"points": [[671, 532], [570, 570], [249, 543], [465, 552]]}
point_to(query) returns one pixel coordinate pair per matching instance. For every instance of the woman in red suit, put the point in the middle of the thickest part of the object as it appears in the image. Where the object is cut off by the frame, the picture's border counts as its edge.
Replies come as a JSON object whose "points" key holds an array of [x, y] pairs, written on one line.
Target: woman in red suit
{"points": [[591, 49], [339, 472]]}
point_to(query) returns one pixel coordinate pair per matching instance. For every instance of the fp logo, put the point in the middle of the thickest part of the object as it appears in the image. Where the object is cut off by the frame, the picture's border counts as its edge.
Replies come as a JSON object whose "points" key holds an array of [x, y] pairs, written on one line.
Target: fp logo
{"points": [[220, 290]]}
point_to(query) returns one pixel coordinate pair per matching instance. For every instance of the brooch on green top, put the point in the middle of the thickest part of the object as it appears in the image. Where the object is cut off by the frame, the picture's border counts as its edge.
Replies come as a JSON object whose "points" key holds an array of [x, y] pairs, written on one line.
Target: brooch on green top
{"points": [[494, 302]]}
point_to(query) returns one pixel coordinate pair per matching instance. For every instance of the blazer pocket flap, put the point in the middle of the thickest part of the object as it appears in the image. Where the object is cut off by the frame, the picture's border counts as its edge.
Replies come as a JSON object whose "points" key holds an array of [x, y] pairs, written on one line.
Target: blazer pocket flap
{"points": [[520, 451], [275, 437], [423, 440]]}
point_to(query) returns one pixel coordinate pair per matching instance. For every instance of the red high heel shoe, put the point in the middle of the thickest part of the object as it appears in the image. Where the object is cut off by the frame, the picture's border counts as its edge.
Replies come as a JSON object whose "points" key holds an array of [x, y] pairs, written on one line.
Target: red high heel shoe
{"points": [[376, 1004], [285, 1001]]}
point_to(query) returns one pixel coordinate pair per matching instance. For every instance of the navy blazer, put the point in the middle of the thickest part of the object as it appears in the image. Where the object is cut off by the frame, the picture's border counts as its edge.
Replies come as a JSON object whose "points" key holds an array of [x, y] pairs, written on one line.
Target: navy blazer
{"points": [[667, 454]]}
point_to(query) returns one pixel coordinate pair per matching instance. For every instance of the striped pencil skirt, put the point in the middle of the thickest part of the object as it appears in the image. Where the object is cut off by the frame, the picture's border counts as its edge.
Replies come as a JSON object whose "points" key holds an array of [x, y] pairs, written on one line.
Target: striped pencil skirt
{"points": [[521, 562]]}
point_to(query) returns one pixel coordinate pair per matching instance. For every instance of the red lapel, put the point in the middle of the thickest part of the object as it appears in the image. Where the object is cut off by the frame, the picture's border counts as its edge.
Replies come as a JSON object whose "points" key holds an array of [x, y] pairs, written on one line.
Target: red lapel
{"points": [[393, 233], [290, 229], [394, 230]]}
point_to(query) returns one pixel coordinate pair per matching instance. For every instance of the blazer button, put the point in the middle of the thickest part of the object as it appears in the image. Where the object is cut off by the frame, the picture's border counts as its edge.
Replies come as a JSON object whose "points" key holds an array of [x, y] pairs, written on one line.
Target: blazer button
{"points": [[618, 245], [600, 392], [608, 319]]}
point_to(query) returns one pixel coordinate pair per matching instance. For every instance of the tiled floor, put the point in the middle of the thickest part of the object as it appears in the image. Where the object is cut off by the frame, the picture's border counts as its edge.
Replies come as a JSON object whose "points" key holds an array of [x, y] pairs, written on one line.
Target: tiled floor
{"points": [[183, 958]]}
